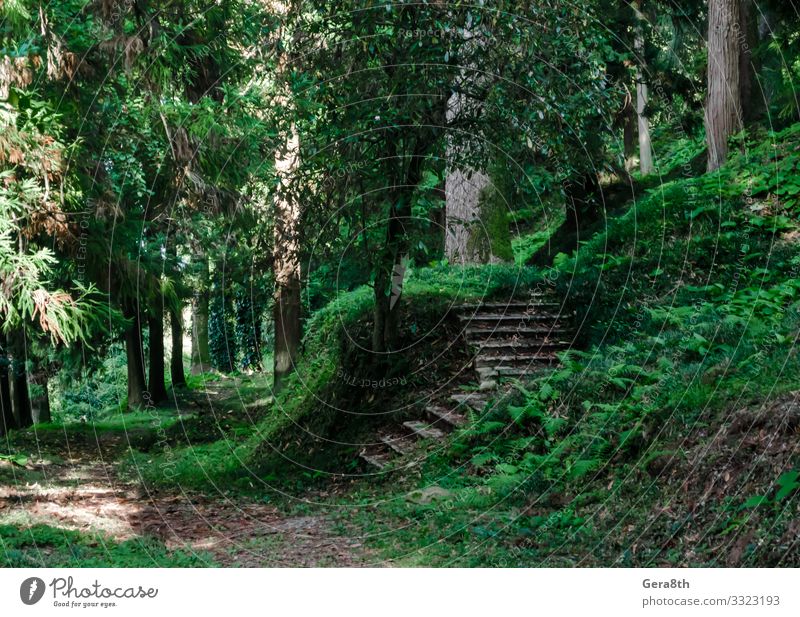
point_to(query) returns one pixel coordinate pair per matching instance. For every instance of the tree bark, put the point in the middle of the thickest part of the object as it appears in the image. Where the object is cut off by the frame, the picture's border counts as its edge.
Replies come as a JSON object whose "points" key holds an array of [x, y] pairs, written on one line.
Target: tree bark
{"points": [[7, 421], [723, 108], [286, 235], [176, 359], [137, 392], [287, 308], [201, 361], [642, 95], [40, 404], [750, 98], [629, 121], [20, 395], [462, 207], [155, 381]]}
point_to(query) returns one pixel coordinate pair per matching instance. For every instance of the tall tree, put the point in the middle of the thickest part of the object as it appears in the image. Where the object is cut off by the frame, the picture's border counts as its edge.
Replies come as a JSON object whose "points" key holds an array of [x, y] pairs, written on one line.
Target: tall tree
{"points": [[750, 97], [286, 207], [155, 379], [201, 357], [6, 412], [134, 354], [286, 260], [723, 106], [642, 93], [40, 397], [176, 370], [20, 393], [463, 187]]}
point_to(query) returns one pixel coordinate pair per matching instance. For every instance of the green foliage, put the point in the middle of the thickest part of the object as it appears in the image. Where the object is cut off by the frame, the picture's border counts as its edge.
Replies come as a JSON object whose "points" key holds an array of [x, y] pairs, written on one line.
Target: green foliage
{"points": [[41, 546], [94, 394], [222, 342], [17, 459], [251, 305]]}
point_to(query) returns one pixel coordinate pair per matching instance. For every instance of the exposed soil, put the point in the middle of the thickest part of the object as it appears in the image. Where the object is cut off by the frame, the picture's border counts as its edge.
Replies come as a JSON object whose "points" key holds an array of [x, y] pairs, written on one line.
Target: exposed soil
{"points": [[86, 495], [79, 489]]}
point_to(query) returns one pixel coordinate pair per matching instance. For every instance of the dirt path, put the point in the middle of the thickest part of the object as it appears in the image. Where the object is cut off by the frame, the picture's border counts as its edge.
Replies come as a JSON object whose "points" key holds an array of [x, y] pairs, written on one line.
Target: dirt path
{"points": [[84, 494], [79, 489]]}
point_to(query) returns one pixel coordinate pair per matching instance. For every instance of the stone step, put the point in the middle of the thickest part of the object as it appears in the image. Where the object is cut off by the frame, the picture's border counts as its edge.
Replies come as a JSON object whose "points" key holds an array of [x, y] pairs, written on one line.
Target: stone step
{"points": [[447, 417], [474, 400], [495, 372], [376, 459], [402, 444], [513, 317], [508, 307], [527, 359], [518, 354], [481, 330], [423, 430], [520, 344]]}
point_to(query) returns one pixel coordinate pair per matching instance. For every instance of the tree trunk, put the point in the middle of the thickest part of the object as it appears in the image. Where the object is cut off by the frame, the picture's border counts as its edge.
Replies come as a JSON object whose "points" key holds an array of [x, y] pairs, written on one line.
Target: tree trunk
{"points": [[642, 96], [287, 310], [629, 120], [462, 210], [176, 359], [466, 227], [723, 109], [137, 393], [388, 289], [388, 286], [155, 381], [20, 394], [201, 361], [750, 97], [40, 404], [7, 421]]}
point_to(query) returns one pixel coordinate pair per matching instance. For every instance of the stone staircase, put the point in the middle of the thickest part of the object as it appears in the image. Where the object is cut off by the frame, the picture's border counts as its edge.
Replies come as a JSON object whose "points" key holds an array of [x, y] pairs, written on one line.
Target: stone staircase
{"points": [[504, 340]]}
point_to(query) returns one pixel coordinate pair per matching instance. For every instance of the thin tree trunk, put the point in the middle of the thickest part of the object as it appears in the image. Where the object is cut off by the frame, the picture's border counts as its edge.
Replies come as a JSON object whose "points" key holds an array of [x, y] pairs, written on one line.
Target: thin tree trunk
{"points": [[201, 361], [155, 381], [137, 393], [287, 310], [40, 404], [176, 359], [629, 120], [20, 394], [723, 109], [201, 355], [7, 421], [642, 96]]}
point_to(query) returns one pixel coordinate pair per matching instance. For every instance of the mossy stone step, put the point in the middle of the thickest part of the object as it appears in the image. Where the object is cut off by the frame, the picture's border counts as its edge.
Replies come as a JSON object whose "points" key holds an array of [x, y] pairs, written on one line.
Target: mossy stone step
{"points": [[449, 417], [423, 430]]}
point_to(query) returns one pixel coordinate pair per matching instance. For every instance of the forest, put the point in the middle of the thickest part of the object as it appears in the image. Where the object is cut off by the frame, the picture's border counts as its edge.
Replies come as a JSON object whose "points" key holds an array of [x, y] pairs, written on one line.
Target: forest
{"points": [[406, 283]]}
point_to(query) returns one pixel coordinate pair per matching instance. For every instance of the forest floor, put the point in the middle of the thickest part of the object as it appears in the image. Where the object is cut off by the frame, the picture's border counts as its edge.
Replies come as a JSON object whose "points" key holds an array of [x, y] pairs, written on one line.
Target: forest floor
{"points": [[81, 499], [74, 483]]}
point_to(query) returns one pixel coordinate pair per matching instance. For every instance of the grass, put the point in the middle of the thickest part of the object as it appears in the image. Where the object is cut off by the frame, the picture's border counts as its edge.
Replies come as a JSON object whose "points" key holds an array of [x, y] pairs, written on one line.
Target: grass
{"points": [[42, 546]]}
